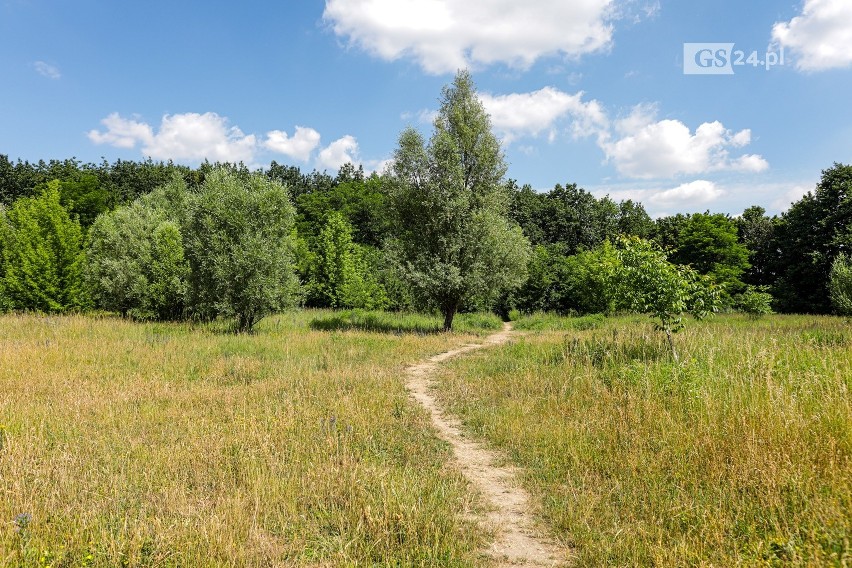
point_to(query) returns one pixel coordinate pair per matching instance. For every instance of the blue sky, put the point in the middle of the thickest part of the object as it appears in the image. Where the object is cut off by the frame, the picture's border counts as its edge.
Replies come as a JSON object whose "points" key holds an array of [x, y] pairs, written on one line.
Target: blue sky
{"points": [[585, 91]]}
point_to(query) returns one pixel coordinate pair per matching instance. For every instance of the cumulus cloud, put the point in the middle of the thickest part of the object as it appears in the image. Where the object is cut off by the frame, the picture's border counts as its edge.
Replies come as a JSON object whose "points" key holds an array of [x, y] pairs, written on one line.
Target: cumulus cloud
{"points": [[337, 153], [645, 148], [791, 195], [122, 132], [446, 35], [196, 137], [638, 145], [698, 192], [821, 36], [299, 146], [47, 70], [529, 114], [189, 136]]}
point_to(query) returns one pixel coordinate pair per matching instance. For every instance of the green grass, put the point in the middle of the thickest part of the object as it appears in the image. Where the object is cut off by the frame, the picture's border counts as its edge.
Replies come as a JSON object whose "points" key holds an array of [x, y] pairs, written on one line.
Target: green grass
{"points": [[135, 444], [404, 322], [542, 321], [739, 456]]}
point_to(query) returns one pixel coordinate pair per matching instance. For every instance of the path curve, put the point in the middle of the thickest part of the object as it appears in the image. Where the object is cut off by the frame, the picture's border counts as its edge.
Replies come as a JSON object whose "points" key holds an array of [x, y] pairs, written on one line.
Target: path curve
{"points": [[516, 540]]}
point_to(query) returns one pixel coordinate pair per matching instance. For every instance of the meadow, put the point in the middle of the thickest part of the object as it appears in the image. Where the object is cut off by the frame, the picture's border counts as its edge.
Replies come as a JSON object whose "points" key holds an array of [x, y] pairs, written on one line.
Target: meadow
{"points": [[134, 444], [154, 444], [739, 456]]}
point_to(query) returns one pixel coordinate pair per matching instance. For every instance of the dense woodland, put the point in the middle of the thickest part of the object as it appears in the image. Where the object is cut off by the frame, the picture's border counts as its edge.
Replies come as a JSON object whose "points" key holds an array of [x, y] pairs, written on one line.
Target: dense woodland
{"points": [[342, 222], [440, 230]]}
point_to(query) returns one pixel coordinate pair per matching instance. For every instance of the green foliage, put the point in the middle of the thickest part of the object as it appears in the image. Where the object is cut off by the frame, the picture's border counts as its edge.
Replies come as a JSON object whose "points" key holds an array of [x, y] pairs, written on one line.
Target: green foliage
{"points": [[582, 283], [756, 232], [340, 277], [85, 197], [361, 201], [573, 219], [240, 248], [454, 241], [42, 255], [709, 243], [541, 290], [755, 301], [840, 284], [169, 271], [646, 282], [135, 257], [808, 238], [589, 281]]}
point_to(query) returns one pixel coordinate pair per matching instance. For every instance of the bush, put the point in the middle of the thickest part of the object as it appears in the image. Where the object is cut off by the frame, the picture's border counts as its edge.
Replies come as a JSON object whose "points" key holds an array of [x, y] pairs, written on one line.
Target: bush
{"points": [[240, 248], [755, 301], [135, 261], [42, 255], [840, 285]]}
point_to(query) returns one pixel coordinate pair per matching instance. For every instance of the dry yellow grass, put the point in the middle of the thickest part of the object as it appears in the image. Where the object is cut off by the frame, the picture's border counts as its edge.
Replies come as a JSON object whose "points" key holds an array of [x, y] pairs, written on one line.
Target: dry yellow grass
{"points": [[166, 445], [740, 456]]}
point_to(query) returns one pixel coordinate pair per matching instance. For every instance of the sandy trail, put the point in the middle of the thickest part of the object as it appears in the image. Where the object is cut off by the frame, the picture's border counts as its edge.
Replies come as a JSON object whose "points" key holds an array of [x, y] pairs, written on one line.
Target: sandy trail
{"points": [[517, 542]]}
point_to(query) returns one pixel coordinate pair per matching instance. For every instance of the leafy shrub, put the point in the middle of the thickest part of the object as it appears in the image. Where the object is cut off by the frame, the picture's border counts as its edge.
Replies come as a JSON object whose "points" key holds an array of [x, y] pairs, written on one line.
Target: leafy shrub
{"points": [[840, 284], [755, 301]]}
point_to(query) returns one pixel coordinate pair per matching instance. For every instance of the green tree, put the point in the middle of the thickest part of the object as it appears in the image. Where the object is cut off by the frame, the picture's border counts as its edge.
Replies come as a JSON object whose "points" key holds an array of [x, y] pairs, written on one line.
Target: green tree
{"points": [[42, 255], [709, 243], [362, 201], [135, 261], [240, 248], [588, 281], [646, 282], [634, 220], [340, 277], [840, 284], [808, 237], [169, 272], [756, 232], [85, 197], [454, 240]]}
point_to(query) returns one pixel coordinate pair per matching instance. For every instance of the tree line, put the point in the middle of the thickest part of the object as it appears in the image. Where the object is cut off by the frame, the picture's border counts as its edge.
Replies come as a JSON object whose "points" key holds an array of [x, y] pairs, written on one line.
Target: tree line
{"points": [[442, 230]]}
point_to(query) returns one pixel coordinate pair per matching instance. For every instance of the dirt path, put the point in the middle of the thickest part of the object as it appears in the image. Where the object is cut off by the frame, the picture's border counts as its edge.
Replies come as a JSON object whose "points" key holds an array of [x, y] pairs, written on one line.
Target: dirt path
{"points": [[516, 541]]}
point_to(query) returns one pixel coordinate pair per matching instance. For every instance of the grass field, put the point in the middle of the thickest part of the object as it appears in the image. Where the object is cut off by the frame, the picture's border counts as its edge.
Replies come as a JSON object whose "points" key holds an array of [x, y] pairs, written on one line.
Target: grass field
{"points": [[740, 456], [127, 444]]}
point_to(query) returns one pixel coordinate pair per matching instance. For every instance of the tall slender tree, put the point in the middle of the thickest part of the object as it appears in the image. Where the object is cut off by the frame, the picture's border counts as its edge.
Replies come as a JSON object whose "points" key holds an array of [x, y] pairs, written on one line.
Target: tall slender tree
{"points": [[454, 239]]}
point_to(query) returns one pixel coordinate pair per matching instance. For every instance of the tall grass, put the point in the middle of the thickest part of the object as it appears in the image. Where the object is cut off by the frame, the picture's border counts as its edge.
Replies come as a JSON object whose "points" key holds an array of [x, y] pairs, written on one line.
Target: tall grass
{"points": [[403, 322], [126, 444], [741, 455]]}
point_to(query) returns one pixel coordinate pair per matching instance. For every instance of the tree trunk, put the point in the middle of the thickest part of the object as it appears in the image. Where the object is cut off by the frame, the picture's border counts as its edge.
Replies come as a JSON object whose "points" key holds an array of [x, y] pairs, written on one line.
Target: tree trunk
{"points": [[449, 314], [671, 345]]}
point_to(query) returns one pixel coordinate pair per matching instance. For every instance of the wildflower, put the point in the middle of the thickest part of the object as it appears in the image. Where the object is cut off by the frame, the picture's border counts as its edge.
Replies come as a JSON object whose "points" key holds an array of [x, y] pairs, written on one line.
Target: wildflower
{"points": [[22, 521]]}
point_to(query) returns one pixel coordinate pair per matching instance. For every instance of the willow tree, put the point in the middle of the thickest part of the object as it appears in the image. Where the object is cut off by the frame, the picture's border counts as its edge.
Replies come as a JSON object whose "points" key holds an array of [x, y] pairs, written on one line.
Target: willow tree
{"points": [[454, 240]]}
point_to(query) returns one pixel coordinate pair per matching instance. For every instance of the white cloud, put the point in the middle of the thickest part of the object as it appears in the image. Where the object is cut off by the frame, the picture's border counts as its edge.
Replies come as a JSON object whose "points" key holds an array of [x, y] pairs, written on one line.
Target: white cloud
{"points": [[122, 132], [649, 149], [639, 145], [299, 146], [698, 192], [792, 195], [337, 153], [47, 70], [423, 116], [189, 136], [821, 36], [446, 35], [196, 137], [530, 114]]}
